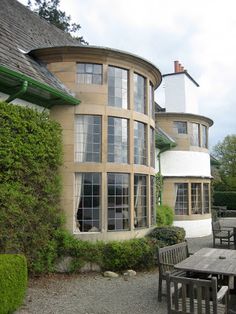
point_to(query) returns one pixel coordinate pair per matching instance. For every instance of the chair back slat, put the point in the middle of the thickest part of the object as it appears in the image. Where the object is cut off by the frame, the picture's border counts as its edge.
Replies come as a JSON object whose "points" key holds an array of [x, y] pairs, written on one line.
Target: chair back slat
{"points": [[191, 295]]}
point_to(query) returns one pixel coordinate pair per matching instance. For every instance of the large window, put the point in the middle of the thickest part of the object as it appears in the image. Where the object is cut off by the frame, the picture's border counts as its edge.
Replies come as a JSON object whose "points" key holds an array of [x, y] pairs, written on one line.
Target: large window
{"points": [[118, 201], [204, 136], [89, 73], [88, 138], [117, 87], [196, 201], [140, 201], [140, 151], [139, 93], [153, 200], [152, 147], [88, 201], [206, 198], [151, 101], [180, 127], [194, 139], [181, 198], [117, 140]]}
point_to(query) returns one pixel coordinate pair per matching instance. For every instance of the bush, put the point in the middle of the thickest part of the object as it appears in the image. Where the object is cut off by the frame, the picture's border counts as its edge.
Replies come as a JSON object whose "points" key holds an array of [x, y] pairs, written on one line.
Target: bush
{"points": [[225, 198], [164, 215], [168, 235], [30, 156], [13, 282], [130, 254]]}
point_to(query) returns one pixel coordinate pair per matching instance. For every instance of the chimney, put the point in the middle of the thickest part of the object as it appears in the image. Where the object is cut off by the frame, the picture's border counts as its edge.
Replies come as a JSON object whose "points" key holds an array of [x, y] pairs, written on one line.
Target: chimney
{"points": [[178, 67]]}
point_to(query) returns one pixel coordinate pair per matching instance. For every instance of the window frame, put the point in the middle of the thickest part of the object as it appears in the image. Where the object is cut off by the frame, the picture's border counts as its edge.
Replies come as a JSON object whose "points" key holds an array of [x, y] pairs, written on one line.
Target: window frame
{"points": [[86, 74], [122, 90]]}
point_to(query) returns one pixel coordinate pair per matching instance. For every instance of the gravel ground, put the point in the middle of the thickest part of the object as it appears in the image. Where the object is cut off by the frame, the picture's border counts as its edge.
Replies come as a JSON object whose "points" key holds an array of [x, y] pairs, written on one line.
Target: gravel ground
{"points": [[95, 294]]}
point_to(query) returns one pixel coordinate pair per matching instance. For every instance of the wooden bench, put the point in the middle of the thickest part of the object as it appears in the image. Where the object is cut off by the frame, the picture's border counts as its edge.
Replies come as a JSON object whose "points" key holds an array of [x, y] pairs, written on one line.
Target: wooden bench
{"points": [[191, 295], [167, 257], [223, 234]]}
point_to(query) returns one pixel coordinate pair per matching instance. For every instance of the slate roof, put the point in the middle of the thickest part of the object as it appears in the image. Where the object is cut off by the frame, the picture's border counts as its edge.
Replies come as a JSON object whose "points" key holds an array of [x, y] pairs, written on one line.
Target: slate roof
{"points": [[21, 31]]}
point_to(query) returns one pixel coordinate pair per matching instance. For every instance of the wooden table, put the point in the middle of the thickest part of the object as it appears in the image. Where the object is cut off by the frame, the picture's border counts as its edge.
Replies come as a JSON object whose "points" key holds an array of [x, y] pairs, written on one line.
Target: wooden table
{"points": [[229, 223], [211, 261]]}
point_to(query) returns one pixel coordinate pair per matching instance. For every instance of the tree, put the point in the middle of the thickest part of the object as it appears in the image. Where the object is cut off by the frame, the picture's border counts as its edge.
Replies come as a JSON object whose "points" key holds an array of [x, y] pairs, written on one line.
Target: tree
{"points": [[49, 10], [225, 152]]}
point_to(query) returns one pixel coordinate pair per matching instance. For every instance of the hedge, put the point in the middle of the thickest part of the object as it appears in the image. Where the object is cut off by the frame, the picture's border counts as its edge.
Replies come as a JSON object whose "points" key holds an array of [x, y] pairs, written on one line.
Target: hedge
{"points": [[13, 282], [168, 235], [164, 215], [225, 198]]}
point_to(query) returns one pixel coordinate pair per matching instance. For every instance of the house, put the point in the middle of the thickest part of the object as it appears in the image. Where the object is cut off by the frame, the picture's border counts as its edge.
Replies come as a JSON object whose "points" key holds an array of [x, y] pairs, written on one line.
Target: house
{"points": [[185, 165], [104, 101]]}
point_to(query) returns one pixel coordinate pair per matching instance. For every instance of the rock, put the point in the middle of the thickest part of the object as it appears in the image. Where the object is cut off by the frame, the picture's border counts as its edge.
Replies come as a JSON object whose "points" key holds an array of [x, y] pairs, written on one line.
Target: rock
{"points": [[90, 267], [110, 274], [63, 265], [131, 273]]}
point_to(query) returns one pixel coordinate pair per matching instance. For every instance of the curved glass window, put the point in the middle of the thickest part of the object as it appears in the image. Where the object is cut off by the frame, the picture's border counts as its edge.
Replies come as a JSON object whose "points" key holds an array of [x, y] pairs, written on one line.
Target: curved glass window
{"points": [[152, 147], [140, 150], [204, 136], [117, 140], [153, 200], [140, 201], [118, 201], [87, 138], [88, 201], [89, 73], [181, 198], [206, 198], [151, 101], [195, 139], [196, 198], [139, 93], [117, 87]]}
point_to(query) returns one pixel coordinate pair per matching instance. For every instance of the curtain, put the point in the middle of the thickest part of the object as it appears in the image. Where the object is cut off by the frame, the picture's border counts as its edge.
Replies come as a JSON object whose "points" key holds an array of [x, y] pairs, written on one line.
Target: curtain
{"points": [[78, 192], [81, 143]]}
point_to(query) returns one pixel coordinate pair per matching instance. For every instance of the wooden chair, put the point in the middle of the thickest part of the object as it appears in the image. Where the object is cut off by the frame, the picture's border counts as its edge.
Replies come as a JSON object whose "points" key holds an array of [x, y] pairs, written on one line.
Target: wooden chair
{"points": [[195, 296], [224, 235], [167, 257]]}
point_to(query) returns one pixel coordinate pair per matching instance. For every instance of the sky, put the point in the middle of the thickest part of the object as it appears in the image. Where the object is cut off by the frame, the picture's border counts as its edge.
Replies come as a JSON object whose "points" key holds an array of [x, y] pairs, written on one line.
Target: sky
{"points": [[200, 34]]}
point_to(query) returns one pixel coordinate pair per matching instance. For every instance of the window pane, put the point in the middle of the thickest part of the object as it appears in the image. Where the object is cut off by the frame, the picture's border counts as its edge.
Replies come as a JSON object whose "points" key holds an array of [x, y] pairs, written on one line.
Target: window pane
{"points": [[87, 202], [153, 200], [117, 87], [206, 198], [152, 147], [204, 136], [118, 201], [194, 139], [180, 127], [151, 101], [140, 201], [117, 140], [140, 150], [181, 198], [89, 73], [87, 138], [196, 200], [139, 93]]}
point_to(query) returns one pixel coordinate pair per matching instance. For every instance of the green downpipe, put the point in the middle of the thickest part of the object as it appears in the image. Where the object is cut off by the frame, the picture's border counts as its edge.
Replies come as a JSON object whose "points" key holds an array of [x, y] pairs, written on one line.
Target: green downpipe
{"points": [[18, 94]]}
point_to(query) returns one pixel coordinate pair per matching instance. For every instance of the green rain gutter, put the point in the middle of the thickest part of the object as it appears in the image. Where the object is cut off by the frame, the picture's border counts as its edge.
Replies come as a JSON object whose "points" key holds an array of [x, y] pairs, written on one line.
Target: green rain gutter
{"points": [[19, 93], [41, 86]]}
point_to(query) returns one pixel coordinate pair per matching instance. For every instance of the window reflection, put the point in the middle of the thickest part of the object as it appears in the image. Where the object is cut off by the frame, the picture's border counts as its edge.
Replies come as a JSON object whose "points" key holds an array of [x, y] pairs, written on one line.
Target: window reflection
{"points": [[139, 93], [117, 87]]}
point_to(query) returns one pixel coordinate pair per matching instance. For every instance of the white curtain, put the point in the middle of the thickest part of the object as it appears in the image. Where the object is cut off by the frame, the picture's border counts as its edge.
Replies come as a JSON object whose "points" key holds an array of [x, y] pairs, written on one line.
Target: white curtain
{"points": [[78, 190], [82, 127]]}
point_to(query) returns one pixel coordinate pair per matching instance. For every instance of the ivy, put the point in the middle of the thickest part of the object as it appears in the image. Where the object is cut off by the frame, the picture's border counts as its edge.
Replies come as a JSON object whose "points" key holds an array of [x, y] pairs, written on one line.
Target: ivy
{"points": [[30, 185]]}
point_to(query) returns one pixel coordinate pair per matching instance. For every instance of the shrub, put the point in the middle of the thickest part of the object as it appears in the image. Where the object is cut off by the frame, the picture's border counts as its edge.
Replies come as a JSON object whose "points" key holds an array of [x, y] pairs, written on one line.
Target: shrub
{"points": [[164, 215], [13, 282], [135, 254], [31, 153], [168, 235], [225, 198]]}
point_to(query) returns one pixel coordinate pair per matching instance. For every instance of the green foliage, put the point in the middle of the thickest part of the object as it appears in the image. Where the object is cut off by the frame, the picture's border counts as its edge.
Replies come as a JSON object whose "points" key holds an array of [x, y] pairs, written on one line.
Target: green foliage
{"points": [[30, 156], [13, 282], [130, 254], [168, 235], [164, 215], [225, 153], [49, 10], [225, 198]]}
